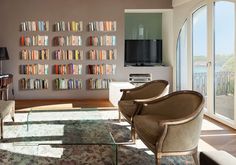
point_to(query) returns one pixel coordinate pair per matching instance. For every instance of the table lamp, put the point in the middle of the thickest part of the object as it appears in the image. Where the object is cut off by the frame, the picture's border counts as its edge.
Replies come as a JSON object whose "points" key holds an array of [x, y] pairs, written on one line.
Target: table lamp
{"points": [[3, 56]]}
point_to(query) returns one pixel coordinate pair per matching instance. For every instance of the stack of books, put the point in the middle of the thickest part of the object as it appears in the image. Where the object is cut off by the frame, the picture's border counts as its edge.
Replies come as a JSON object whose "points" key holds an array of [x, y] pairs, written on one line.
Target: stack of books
{"points": [[34, 40], [33, 69], [68, 26], [34, 26], [101, 69], [42, 54], [68, 69], [98, 83], [102, 40], [102, 26], [62, 83], [102, 54], [67, 40], [31, 84], [68, 54]]}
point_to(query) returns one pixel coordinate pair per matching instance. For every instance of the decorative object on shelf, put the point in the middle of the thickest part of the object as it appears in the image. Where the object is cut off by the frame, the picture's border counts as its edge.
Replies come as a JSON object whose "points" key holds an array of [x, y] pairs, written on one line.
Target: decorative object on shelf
{"points": [[67, 69], [34, 26], [3, 56], [71, 40], [101, 69], [68, 54], [42, 54], [32, 84], [102, 40], [34, 40], [98, 83], [68, 26], [34, 69], [102, 54], [62, 83], [102, 26], [140, 31]]}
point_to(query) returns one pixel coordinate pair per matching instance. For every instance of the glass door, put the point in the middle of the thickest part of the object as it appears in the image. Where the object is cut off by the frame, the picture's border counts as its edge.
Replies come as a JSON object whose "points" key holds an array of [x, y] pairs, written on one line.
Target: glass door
{"points": [[224, 59], [199, 51]]}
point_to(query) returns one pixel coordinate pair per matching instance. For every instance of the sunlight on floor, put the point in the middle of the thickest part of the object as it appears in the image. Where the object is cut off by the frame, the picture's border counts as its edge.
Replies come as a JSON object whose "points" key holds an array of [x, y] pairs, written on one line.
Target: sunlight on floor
{"points": [[207, 125]]}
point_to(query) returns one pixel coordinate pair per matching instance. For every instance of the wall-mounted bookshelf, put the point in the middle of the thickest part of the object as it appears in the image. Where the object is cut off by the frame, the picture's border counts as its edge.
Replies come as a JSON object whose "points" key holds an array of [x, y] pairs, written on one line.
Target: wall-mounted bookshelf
{"points": [[98, 84], [102, 26], [33, 84], [34, 26], [72, 40], [101, 69], [64, 84], [68, 54], [42, 54], [110, 54], [34, 69], [105, 40], [62, 69], [72, 26], [37, 40], [101, 40]]}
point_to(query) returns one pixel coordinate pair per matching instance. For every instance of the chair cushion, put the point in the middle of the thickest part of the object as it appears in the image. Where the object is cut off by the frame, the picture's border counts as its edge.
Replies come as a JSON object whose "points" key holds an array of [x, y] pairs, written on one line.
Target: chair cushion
{"points": [[148, 128], [5, 107], [127, 108]]}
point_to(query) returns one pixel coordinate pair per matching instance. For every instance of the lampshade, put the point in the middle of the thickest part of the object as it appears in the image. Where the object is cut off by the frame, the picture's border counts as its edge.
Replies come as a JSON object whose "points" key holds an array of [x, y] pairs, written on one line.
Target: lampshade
{"points": [[3, 53]]}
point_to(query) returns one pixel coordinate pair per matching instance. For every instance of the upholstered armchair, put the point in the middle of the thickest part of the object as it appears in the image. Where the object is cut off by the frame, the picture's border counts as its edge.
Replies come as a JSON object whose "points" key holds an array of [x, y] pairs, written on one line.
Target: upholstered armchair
{"points": [[148, 91], [171, 125]]}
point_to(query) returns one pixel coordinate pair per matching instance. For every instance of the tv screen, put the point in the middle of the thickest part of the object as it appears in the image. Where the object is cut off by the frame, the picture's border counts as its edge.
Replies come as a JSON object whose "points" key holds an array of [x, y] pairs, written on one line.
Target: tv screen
{"points": [[143, 52]]}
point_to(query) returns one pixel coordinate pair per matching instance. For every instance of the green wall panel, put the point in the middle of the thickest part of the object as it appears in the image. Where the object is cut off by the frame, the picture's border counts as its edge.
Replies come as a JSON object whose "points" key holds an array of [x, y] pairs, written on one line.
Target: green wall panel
{"points": [[150, 22]]}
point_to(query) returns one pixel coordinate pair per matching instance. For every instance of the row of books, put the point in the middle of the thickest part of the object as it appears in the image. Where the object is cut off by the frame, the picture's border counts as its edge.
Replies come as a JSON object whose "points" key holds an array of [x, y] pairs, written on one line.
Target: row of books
{"points": [[62, 83], [34, 26], [34, 40], [102, 54], [68, 26], [42, 54], [68, 69], [67, 40], [32, 69], [98, 83], [68, 54], [33, 84], [102, 26], [101, 69], [102, 40]]}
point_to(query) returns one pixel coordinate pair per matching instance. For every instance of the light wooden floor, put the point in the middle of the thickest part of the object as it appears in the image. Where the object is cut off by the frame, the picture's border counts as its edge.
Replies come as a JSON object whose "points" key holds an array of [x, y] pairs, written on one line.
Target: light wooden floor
{"points": [[213, 133]]}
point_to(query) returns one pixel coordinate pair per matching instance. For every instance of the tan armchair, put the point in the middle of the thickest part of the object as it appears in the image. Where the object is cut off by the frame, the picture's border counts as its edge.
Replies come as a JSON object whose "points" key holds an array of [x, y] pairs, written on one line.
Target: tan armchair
{"points": [[149, 91], [171, 125]]}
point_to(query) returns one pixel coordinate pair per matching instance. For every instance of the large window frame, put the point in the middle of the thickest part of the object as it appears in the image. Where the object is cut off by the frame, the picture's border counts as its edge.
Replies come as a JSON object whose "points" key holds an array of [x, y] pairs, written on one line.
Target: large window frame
{"points": [[210, 59]]}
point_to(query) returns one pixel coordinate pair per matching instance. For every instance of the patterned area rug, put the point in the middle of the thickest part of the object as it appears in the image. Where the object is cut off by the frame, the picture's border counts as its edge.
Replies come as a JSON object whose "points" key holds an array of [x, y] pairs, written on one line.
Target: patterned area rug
{"points": [[26, 142]]}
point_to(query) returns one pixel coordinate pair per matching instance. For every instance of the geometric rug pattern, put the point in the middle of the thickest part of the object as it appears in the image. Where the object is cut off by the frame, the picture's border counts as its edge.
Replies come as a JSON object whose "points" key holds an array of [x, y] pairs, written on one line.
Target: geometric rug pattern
{"points": [[21, 139]]}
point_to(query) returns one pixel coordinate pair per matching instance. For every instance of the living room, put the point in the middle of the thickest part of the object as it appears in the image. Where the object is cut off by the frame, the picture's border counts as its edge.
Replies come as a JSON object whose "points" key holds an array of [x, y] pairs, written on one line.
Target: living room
{"points": [[64, 65]]}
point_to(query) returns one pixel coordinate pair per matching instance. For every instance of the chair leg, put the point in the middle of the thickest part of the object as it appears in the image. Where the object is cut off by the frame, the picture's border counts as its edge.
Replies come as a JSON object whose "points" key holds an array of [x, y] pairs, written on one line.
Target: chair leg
{"points": [[13, 113], [133, 135], [158, 159], [195, 158], [119, 113], [1, 128]]}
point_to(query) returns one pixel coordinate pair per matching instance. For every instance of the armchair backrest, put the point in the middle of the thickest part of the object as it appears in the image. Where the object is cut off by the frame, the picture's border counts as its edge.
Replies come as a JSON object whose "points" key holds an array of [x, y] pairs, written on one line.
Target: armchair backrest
{"points": [[176, 105], [155, 88]]}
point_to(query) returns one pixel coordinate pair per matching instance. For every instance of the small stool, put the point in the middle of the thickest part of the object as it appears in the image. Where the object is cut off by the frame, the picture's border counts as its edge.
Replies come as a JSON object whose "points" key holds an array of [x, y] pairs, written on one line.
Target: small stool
{"points": [[6, 107]]}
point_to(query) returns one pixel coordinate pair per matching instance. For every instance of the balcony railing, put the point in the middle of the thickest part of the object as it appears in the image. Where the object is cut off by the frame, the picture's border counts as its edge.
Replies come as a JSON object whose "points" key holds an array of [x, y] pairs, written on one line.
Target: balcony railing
{"points": [[224, 83]]}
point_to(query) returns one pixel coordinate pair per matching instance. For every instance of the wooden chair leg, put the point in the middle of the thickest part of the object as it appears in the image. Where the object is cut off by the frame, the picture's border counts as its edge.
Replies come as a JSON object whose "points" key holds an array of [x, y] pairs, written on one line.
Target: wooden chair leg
{"points": [[119, 113], [1, 128], [158, 159], [195, 158], [13, 113], [133, 135]]}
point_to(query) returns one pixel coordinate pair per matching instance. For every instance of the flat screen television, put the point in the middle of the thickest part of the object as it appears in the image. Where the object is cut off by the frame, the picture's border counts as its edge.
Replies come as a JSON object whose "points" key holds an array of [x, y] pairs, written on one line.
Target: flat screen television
{"points": [[143, 52]]}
